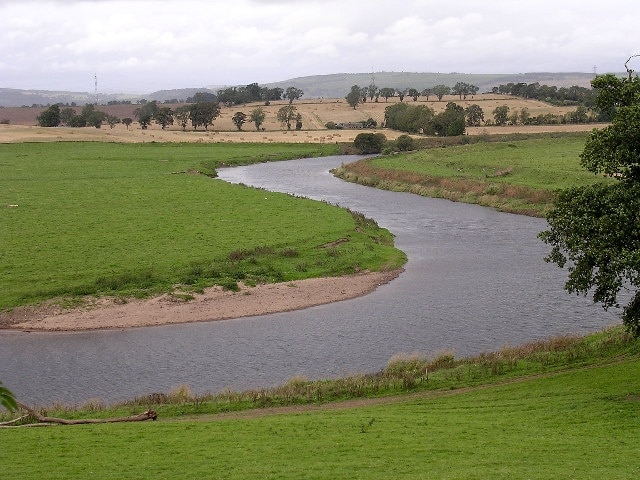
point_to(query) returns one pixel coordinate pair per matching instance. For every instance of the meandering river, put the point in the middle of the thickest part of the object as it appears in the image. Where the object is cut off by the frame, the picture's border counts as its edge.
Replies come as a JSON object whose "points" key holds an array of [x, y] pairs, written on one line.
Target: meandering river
{"points": [[475, 281]]}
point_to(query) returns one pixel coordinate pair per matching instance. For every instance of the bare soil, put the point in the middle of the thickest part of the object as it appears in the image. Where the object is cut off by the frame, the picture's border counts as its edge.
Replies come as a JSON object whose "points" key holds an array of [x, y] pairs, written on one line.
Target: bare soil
{"points": [[214, 304]]}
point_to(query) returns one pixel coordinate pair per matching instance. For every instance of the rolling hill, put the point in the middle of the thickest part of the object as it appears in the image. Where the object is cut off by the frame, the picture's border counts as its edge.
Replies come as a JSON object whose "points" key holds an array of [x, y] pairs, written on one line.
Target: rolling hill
{"points": [[317, 86]]}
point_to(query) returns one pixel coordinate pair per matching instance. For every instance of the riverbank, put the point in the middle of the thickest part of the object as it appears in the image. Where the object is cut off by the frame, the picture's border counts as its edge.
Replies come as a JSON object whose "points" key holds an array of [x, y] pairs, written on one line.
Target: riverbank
{"points": [[214, 304]]}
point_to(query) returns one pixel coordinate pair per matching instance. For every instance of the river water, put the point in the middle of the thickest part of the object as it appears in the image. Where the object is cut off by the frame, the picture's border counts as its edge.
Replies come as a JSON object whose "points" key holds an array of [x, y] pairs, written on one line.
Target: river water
{"points": [[475, 281]]}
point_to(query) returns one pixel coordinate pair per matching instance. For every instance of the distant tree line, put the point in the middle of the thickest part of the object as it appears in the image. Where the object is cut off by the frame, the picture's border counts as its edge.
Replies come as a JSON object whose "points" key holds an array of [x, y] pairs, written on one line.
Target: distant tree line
{"points": [[562, 96]]}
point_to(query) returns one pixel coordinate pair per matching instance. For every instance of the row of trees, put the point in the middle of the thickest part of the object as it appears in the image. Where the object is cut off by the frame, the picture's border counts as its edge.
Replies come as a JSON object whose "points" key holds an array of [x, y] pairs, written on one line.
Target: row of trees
{"points": [[359, 94], [54, 116], [254, 93], [573, 95]]}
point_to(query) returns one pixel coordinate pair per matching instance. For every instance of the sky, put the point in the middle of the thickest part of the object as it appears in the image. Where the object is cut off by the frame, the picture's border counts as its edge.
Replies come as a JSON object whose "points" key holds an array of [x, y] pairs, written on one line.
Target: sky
{"points": [[141, 46]]}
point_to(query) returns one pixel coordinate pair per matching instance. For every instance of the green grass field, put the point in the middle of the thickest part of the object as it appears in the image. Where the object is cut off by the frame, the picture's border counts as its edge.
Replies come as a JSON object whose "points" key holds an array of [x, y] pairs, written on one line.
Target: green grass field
{"points": [[518, 176], [580, 419], [134, 219]]}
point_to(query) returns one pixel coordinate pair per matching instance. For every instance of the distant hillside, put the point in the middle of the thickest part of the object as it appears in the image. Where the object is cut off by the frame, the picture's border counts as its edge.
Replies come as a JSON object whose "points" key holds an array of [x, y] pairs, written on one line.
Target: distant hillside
{"points": [[319, 86], [338, 85]]}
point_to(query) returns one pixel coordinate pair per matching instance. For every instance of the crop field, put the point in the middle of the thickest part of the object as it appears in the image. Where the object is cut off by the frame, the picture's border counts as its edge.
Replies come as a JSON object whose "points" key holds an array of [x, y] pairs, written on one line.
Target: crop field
{"points": [[518, 176], [135, 219]]}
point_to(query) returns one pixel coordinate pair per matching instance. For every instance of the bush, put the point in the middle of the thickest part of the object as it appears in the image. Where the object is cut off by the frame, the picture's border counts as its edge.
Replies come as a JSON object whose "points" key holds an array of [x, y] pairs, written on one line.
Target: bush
{"points": [[370, 142], [330, 125], [405, 143]]}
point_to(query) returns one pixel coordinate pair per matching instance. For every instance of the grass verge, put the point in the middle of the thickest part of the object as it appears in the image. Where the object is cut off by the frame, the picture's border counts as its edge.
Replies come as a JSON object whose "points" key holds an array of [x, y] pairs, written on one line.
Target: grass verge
{"points": [[518, 174]]}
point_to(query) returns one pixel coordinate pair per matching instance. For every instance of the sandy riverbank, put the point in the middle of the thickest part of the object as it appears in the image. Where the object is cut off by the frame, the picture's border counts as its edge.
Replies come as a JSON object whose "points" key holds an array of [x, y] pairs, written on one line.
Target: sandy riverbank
{"points": [[214, 304]]}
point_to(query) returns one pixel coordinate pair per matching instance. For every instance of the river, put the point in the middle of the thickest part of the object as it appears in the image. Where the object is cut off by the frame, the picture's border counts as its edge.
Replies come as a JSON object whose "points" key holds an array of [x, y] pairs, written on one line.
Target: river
{"points": [[475, 281]]}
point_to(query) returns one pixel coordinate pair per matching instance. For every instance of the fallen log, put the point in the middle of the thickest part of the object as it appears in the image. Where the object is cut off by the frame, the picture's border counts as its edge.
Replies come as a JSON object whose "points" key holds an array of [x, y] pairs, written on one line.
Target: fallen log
{"points": [[44, 420]]}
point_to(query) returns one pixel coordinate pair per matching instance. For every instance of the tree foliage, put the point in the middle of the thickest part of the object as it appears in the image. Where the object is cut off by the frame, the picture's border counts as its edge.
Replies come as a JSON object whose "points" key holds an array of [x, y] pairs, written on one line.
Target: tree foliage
{"points": [[257, 116], [474, 115], [367, 143], [49, 117], [203, 114], [7, 399], [501, 114], [293, 93], [408, 118], [286, 115], [239, 119], [596, 229], [353, 97]]}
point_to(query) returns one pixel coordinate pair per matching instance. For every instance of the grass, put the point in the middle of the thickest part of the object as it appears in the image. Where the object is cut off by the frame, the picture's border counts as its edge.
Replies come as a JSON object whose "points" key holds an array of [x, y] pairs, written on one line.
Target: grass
{"points": [[137, 219], [579, 419], [518, 176]]}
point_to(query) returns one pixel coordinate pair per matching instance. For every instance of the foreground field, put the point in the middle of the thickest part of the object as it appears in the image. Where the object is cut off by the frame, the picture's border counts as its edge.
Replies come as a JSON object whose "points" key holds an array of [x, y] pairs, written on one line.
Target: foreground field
{"points": [[577, 420], [518, 174], [116, 219]]}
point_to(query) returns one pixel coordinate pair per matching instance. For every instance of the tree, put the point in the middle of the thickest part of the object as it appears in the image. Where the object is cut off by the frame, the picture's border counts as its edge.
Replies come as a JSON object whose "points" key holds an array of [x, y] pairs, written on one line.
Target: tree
{"points": [[372, 90], [239, 119], [367, 143], [413, 93], [50, 117], [387, 92], [427, 92], [286, 114], [92, 116], [203, 114], [440, 91], [501, 114], [595, 228], [183, 114], [401, 93], [146, 114], [293, 93], [7, 399], [164, 117], [66, 115], [127, 122], [257, 116], [450, 122], [353, 97], [474, 115], [112, 120]]}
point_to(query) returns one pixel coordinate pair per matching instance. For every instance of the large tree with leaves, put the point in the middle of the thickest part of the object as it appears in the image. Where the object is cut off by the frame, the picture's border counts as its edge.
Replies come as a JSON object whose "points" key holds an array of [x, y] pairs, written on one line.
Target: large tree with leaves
{"points": [[595, 229], [286, 115]]}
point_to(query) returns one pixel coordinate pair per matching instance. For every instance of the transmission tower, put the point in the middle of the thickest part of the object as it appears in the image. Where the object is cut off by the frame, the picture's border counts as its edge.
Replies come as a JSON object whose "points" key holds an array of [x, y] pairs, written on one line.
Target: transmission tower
{"points": [[95, 78]]}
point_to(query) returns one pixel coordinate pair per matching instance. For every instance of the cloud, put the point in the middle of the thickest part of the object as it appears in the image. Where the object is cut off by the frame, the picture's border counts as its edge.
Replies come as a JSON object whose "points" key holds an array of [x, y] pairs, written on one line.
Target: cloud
{"points": [[143, 44]]}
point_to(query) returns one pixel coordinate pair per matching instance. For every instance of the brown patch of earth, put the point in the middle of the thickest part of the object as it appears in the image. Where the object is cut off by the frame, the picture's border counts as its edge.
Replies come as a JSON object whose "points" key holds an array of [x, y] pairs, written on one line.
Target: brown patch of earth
{"points": [[214, 304]]}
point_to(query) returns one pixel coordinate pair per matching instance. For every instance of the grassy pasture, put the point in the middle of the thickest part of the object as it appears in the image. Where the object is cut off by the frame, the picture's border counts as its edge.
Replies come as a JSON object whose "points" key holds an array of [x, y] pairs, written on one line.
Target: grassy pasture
{"points": [[123, 219], [580, 420], [518, 176]]}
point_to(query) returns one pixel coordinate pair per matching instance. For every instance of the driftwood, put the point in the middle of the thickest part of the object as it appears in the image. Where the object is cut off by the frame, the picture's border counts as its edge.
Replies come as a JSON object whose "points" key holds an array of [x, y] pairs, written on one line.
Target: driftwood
{"points": [[44, 420]]}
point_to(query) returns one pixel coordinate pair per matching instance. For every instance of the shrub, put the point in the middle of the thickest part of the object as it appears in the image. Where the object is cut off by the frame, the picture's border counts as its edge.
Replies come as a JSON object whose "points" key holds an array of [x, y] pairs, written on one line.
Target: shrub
{"points": [[330, 125], [405, 143], [369, 142]]}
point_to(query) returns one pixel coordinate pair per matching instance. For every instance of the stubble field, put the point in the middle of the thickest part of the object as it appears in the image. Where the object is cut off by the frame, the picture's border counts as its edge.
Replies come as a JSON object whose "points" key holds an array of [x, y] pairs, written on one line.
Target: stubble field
{"points": [[315, 114]]}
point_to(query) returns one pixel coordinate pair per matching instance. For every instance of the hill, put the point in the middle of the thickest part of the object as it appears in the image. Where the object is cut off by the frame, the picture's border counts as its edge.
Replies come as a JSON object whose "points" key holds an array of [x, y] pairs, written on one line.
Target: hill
{"points": [[317, 86]]}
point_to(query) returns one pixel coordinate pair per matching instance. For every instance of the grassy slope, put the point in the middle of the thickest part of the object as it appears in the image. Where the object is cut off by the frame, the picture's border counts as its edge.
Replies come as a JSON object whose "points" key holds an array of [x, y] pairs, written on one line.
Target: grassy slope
{"points": [[516, 176], [577, 423], [114, 218]]}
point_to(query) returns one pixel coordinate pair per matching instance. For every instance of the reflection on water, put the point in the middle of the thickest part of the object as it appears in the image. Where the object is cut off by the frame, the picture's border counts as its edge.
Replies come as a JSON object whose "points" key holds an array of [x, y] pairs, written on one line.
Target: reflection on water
{"points": [[475, 281]]}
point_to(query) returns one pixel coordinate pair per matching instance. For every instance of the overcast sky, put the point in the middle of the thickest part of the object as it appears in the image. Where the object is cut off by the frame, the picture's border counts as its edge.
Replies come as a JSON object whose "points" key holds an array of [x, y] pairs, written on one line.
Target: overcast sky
{"points": [[139, 46]]}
